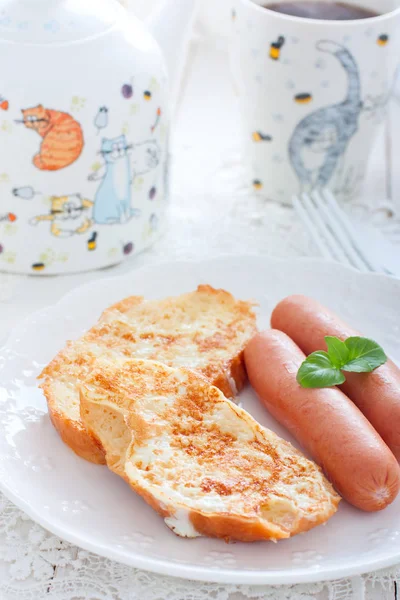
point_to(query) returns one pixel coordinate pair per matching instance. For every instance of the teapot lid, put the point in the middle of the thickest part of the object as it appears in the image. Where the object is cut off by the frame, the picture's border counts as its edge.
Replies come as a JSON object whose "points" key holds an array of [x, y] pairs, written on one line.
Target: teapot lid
{"points": [[55, 21]]}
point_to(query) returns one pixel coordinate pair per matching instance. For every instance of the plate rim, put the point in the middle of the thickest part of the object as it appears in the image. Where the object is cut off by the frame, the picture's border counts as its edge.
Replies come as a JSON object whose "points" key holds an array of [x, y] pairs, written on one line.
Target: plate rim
{"points": [[179, 570]]}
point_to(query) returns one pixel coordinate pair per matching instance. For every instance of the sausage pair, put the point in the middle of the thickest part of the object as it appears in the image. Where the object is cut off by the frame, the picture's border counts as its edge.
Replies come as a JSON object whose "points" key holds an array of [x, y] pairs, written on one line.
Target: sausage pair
{"points": [[343, 441]]}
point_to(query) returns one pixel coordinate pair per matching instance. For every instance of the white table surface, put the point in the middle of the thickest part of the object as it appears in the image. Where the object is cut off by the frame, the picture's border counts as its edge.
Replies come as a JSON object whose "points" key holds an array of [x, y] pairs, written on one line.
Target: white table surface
{"points": [[212, 212]]}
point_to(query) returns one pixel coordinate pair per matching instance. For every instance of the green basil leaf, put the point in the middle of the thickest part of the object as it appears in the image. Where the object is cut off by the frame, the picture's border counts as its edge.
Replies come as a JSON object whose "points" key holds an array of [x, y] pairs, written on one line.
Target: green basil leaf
{"points": [[317, 371], [364, 355], [337, 350]]}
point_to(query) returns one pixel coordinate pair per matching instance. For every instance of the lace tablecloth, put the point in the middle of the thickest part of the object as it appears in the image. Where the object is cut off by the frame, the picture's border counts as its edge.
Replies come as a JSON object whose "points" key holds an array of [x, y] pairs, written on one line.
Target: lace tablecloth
{"points": [[212, 212]]}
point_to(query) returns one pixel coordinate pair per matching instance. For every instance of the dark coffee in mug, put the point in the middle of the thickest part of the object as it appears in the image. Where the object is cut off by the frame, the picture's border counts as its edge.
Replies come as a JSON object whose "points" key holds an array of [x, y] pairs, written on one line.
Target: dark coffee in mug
{"points": [[328, 11]]}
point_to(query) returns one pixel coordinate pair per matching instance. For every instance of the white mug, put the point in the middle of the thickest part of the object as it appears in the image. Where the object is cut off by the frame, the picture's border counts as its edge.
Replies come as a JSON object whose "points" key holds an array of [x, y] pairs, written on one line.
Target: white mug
{"points": [[313, 94]]}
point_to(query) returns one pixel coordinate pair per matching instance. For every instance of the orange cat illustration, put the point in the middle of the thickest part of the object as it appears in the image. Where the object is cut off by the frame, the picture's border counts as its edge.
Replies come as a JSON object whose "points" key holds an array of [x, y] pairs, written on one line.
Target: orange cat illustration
{"points": [[62, 137]]}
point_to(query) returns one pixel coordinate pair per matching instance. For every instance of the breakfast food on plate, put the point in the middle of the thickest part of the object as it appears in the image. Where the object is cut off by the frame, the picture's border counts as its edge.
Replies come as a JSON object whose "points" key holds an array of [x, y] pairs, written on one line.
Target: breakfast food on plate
{"points": [[147, 391], [199, 460], [376, 394], [205, 330], [326, 423]]}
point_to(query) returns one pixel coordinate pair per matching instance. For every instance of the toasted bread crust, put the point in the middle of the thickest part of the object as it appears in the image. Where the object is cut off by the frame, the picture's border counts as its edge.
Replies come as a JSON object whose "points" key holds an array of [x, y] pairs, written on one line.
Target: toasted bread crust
{"points": [[124, 305], [182, 446], [84, 443], [232, 528], [74, 433], [227, 373], [231, 381]]}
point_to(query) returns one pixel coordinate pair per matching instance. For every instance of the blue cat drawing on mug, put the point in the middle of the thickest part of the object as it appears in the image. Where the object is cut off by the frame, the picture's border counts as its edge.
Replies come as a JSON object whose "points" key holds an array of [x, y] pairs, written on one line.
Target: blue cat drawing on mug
{"points": [[112, 203], [327, 131]]}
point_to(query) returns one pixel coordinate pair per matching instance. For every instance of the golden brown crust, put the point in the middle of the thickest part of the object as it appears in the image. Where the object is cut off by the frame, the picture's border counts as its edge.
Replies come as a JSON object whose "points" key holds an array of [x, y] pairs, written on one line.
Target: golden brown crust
{"points": [[232, 528], [227, 373], [84, 444], [74, 433], [230, 380], [124, 305], [77, 438], [154, 421], [148, 498]]}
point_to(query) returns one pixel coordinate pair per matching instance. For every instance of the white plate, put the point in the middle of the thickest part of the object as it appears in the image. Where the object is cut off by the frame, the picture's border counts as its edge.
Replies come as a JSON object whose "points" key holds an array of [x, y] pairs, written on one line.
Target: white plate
{"points": [[89, 506]]}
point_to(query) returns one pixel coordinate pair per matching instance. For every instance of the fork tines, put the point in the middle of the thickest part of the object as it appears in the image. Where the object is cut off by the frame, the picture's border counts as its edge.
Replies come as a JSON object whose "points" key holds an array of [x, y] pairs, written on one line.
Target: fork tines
{"points": [[331, 229]]}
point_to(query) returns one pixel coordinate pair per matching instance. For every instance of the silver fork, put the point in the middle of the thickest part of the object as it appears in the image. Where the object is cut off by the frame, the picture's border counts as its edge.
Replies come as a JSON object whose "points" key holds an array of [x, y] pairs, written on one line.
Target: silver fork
{"points": [[333, 232]]}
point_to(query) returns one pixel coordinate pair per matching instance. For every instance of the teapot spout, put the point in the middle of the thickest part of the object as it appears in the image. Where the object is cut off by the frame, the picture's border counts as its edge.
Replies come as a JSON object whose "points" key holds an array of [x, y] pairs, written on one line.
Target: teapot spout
{"points": [[171, 24]]}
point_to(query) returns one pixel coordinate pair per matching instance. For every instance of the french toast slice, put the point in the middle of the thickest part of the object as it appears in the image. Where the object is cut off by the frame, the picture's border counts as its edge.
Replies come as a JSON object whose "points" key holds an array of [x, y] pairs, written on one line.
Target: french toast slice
{"points": [[204, 464], [205, 330]]}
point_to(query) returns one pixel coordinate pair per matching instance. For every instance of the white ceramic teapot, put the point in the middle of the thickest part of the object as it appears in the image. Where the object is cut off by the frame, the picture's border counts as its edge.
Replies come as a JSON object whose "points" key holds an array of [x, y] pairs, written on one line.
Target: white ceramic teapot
{"points": [[84, 121]]}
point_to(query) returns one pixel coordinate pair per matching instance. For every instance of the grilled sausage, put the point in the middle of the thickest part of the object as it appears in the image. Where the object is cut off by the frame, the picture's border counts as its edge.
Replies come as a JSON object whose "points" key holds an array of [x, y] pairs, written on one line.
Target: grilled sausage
{"points": [[376, 394], [325, 422]]}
